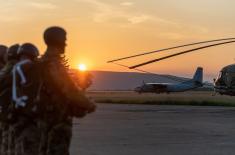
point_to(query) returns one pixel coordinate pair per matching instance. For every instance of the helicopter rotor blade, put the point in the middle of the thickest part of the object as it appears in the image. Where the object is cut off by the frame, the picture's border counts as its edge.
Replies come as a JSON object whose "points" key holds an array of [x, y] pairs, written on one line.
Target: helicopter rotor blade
{"points": [[177, 79], [170, 48], [140, 70], [180, 53]]}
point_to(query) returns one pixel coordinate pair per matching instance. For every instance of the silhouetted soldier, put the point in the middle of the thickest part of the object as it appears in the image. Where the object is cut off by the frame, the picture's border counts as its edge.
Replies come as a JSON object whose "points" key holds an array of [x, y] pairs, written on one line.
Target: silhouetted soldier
{"points": [[5, 99], [61, 99], [3, 50], [24, 107]]}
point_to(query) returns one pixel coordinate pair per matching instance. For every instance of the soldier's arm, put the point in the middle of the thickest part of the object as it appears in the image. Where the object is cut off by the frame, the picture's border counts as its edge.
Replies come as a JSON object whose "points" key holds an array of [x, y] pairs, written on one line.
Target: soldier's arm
{"points": [[78, 97], [67, 87]]}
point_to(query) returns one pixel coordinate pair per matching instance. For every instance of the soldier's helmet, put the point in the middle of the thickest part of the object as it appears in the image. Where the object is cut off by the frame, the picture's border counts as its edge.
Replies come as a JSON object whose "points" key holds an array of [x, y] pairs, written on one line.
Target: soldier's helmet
{"points": [[55, 36], [12, 52], [3, 51], [28, 49]]}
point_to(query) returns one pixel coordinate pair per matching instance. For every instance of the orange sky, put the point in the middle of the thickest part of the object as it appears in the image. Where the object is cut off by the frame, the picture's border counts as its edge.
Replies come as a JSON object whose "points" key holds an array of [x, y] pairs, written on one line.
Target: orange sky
{"points": [[100, 30]]}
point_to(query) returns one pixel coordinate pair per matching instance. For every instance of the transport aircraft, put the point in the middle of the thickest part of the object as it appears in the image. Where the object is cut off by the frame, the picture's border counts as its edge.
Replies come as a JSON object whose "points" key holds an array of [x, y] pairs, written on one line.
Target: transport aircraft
{"points": [[195, 82]]}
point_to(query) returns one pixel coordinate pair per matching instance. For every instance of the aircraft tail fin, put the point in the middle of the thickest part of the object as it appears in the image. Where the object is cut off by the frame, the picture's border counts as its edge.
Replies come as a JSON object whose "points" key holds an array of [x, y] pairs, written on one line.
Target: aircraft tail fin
{"points": [[198, 76]]}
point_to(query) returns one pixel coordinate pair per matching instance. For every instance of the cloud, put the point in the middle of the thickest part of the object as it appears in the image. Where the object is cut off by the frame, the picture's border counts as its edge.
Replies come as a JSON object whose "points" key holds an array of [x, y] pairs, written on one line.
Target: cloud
{"points": [[39, 5], [18, 11], [10, 19], [184, 32], [173, 35], [139, 19], [105, 12], [127, 3]]}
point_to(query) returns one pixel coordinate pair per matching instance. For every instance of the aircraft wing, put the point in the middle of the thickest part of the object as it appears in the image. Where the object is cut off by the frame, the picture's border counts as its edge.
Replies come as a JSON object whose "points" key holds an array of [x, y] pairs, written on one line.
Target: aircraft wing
{"points": [[159, 85]]}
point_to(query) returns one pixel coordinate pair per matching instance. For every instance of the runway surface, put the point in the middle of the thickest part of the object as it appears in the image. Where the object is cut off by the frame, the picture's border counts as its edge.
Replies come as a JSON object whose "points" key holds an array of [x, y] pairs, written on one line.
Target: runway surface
{"points": [[155, 130]]}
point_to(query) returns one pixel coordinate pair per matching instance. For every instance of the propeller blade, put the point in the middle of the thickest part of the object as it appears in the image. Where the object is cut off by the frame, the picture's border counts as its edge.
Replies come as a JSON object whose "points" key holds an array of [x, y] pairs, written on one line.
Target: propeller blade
{"points": [[170, 48], [180, 53]]}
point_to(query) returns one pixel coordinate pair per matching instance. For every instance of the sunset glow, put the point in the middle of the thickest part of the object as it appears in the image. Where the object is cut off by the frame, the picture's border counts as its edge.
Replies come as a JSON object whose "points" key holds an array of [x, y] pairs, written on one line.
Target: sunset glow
{"points": [[102, 30], [82, 67]]}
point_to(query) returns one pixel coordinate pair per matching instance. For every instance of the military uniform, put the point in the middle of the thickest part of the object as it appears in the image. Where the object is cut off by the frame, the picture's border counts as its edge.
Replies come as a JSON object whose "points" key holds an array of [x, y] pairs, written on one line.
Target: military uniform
{"points": [[3, 50], [11, 58], [26, 131], [26, 84], [5, 99], [62, 101]]}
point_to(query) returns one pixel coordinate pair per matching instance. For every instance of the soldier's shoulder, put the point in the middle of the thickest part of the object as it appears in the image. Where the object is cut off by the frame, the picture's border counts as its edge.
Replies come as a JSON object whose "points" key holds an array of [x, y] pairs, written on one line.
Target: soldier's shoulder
{"points": [[7, 69]]}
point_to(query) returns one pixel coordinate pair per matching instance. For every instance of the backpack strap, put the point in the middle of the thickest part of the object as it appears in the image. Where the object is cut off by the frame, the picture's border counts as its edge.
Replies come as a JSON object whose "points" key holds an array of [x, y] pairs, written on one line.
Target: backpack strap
{"points": [[19, 101]]}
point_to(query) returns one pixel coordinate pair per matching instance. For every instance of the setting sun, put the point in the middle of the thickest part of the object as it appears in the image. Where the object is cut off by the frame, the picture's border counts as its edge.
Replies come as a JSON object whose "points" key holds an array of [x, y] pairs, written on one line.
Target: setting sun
{"points": [[82, 67]]}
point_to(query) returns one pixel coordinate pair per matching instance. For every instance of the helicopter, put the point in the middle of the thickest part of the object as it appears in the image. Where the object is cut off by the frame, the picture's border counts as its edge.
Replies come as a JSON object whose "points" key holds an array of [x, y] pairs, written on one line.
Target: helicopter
{"points": [[224, 84]]}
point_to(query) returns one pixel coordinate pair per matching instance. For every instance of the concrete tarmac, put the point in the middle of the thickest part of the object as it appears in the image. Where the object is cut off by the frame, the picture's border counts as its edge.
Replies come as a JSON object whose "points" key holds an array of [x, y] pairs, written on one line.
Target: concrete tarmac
{"points": [[155, 130]]}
